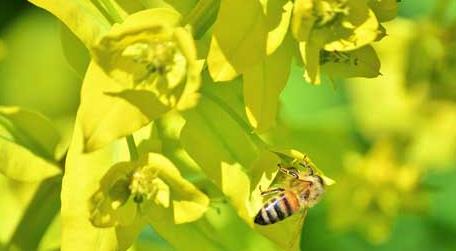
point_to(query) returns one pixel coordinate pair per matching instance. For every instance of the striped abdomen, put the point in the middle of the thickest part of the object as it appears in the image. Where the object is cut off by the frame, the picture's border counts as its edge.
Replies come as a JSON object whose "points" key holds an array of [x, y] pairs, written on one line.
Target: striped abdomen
{"points": [[278, 209]]}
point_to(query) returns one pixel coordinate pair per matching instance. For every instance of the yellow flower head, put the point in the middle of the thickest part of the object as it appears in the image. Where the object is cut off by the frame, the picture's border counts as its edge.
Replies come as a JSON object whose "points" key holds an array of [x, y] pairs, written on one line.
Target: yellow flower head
{"points": [[372, 193], [133, 190], [150, 51]]}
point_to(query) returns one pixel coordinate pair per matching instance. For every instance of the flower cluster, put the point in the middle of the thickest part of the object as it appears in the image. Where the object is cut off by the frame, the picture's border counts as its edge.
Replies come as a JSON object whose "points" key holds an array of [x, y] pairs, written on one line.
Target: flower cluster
{"points": [[375, 189], [154, 65], [407, 124], [336, 35], [131, 191]]}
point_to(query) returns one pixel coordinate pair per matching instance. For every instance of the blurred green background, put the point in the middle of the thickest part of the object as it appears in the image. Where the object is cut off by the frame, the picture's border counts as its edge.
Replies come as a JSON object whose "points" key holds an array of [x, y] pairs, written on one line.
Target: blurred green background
{"points": [[390, 143]]}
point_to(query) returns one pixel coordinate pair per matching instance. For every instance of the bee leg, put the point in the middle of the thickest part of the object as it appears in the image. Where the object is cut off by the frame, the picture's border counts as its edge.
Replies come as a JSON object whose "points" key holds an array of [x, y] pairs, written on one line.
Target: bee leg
{"points": [[283, 169], [287, 172], [271, 191]]}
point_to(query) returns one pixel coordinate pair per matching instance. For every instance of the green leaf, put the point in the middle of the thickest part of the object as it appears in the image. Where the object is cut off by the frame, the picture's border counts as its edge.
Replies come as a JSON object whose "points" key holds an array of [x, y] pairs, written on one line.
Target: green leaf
{"points": [[20, 164], [129, 6], [202, 17], [30, 130], [75, 52], [168, 129], [226, 139], [81, 16], [38, 216], [278, 14], [232, 150], [218, 230], [102, 116], [385, 10], [310, 55], [28, 143], [238, 45], [263, 84], [362, 62], [286, 234]]}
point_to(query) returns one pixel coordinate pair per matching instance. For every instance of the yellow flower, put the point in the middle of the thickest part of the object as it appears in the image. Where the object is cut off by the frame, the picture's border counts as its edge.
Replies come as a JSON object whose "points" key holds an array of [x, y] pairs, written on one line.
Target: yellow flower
{"points": [[372, 193], [150, 51], [334, 26], [130, 191]]}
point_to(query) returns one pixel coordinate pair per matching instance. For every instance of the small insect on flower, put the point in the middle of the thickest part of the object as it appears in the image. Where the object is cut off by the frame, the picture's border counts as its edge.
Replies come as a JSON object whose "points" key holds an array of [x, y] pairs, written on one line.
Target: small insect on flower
{"points": [[299, 191]]}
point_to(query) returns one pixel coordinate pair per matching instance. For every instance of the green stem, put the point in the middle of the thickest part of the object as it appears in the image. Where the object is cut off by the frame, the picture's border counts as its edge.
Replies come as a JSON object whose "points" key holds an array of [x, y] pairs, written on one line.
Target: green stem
{"points": [[246, 127], [202, 16], [110, 10], [38, 216], [147, 3], [132, 148]]}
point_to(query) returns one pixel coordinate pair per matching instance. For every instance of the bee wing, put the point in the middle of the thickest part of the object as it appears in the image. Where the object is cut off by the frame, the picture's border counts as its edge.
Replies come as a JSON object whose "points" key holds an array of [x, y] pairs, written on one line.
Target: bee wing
{"points": [[295, 241], [271, 192]]}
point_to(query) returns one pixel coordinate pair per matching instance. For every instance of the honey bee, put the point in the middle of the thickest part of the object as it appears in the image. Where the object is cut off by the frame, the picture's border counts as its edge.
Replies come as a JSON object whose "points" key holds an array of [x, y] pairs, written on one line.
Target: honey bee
{"points": [[299, 191]]}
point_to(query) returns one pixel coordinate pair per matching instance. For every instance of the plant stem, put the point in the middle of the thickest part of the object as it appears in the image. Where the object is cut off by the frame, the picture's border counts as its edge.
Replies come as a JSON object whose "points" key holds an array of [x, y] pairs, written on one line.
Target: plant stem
{"points": [[38, 216], [202, 16], [132, 148], [110, 10], [147, 3]]}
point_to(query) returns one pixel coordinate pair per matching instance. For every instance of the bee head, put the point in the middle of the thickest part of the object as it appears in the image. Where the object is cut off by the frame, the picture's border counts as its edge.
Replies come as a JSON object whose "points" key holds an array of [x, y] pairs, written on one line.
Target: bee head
{"points": [[310, 171], [315, 190], [306, 163]]}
